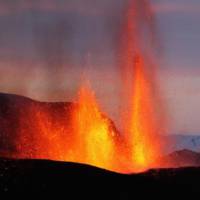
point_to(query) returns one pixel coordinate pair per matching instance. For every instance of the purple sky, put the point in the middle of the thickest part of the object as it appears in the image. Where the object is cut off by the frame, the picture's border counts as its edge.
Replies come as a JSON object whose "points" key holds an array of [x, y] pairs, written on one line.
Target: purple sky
{"points": [[82, 35]]}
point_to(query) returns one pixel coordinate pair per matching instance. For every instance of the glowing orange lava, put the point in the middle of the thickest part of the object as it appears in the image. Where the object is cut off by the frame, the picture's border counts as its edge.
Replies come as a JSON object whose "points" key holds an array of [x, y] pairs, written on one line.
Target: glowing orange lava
{"points": [[139, 114], [142, 129], [94, 136], [81, 133]]}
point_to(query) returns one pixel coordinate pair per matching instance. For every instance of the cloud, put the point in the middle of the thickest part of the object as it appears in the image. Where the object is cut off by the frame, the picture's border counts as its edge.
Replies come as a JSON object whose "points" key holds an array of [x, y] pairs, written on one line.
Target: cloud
{"points": [[187, 8], [92, 7], [89, 7]]}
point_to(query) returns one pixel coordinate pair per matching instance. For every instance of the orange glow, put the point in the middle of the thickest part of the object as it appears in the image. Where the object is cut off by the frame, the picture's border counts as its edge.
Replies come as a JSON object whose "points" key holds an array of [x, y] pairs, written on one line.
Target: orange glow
{"points": [[42, 137], [85, 135], [142, 129], [95, 144], [139, 115], [81, 133]]}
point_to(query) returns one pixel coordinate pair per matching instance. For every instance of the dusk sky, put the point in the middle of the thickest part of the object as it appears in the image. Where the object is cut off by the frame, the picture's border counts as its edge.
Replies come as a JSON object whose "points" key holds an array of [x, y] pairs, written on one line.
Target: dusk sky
{"points": [[46, 45]]}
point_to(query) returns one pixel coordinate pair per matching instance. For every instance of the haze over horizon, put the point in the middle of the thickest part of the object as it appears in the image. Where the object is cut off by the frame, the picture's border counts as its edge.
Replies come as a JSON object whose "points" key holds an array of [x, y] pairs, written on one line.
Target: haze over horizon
{"points": [[46, 46]]}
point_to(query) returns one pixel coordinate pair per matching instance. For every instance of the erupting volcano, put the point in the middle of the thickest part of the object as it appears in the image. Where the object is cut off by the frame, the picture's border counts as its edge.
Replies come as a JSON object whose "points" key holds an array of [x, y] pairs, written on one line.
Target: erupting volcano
{"points": [[82, 133]]}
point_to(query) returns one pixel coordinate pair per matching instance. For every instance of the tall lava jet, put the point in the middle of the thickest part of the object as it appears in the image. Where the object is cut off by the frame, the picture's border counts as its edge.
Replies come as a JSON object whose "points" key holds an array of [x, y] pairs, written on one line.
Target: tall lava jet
{"points": [[141, 113]]}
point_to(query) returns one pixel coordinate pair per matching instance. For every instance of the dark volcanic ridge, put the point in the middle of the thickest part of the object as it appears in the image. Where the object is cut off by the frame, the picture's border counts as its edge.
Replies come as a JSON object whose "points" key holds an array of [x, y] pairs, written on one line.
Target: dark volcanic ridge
{"points": [[33, 176], [74, 179], [19, 119], [16, 110]]}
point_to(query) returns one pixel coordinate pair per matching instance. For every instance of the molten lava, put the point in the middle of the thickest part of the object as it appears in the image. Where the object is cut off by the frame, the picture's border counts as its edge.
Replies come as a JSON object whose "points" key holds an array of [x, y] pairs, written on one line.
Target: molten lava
{"points": [[140, 125], [142, 129], [81, 133], [94, 136]]}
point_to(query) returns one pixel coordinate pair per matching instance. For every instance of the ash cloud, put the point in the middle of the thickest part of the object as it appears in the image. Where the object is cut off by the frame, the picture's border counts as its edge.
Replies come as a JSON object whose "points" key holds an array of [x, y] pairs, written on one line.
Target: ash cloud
{"points": [[44, 46], [44, 41]]}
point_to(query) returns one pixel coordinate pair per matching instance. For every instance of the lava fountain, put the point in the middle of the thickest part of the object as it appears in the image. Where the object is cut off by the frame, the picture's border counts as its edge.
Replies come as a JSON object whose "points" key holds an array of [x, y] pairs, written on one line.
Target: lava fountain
{"points": [[78, 133], [142, 125], [94, 135], [142, 129], [81, 133]]}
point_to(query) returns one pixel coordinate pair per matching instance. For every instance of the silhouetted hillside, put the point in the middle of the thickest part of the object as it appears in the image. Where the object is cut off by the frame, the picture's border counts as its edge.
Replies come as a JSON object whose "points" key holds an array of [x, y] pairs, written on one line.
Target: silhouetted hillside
{"points": [[81, 181], [33, 176]]}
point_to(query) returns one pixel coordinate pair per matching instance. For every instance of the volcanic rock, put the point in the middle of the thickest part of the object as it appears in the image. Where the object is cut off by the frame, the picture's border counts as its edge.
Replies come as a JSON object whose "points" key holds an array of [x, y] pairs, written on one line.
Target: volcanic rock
{"points": [[82, 181]]}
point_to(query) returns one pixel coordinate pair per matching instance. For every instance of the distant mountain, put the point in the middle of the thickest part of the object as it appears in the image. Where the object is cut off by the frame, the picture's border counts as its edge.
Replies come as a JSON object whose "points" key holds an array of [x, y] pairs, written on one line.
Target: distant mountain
{"points": [[182, 158], [180, 142]]}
